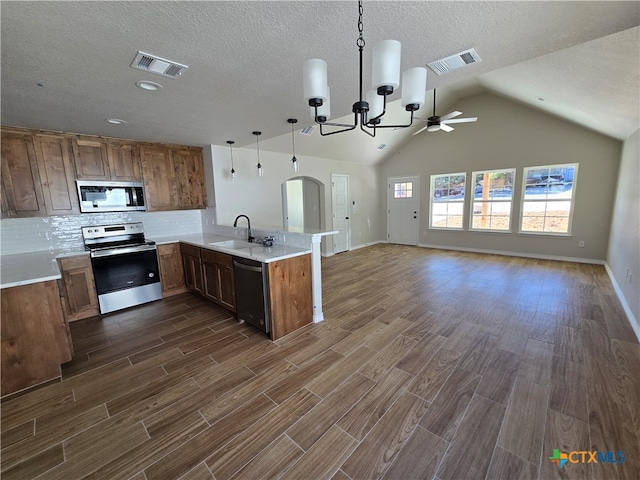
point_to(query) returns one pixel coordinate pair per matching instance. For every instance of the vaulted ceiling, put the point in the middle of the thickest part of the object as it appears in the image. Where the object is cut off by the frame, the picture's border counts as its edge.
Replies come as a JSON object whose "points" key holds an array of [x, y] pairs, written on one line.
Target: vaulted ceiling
{"points": [[66, 65]]}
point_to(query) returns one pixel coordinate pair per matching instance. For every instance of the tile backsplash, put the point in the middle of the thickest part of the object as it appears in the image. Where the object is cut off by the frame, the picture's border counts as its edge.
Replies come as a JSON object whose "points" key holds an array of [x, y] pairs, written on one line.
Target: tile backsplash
{"points": [[62, 234]]}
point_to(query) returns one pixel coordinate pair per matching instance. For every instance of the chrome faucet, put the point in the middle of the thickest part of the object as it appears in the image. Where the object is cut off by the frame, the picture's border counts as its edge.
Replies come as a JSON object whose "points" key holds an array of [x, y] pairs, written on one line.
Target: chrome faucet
{"points": [[250, 239]]}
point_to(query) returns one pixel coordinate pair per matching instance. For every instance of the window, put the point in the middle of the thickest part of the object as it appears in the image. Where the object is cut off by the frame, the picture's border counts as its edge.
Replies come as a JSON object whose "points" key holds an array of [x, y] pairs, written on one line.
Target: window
{"points": [[548, 198], [403, 190], [447, 200], [492, 199]]}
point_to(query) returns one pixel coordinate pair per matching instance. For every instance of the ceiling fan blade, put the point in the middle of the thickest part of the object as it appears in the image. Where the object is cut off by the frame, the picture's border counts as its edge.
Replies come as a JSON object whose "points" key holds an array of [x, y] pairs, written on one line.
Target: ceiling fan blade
{"points": [[451, 115], [462, 120], [445, 127], [422, 129]]}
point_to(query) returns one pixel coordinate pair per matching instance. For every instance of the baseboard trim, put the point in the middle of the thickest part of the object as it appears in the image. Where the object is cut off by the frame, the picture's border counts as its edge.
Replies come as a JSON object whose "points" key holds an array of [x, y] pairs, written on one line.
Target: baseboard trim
{"points": [[357, 247], [592, 261], [627, 310]]}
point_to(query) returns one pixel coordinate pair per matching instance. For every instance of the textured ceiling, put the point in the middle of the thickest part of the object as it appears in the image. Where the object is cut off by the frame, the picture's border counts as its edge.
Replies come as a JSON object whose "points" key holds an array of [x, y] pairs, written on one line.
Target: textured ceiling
{"points": [[245, 63]]}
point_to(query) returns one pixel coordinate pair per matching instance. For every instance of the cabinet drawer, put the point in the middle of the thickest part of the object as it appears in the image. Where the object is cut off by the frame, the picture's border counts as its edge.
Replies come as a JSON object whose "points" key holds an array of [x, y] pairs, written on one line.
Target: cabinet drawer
{"points": [[190, 250], [216, 257]]}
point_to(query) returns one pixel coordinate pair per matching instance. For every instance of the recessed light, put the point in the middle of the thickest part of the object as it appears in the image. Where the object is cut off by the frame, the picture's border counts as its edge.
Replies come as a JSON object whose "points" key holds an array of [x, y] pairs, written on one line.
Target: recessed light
{"points": [[147, 85], [115, 121]]}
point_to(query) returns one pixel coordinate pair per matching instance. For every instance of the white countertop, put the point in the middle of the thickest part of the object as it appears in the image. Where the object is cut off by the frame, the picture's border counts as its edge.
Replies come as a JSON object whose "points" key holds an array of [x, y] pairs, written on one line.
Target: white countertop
{"points": [[27, 268], [252, 251], [35, 267]]}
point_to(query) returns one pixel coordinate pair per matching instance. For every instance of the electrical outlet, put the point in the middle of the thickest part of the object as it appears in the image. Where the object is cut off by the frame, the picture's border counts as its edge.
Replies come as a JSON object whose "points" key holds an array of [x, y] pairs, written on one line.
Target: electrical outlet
{"points": [[581, 243]]}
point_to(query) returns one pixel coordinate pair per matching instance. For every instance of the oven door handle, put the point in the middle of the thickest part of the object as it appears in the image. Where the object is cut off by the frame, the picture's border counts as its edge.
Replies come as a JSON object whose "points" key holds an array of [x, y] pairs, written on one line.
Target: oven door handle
{"points": [[122, 251]]}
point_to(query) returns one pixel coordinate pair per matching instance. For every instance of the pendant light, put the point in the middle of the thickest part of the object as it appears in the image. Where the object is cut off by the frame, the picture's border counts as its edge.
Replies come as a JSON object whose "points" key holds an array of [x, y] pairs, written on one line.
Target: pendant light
{"points": [[233, 171], [260, 170], [295, 166]]}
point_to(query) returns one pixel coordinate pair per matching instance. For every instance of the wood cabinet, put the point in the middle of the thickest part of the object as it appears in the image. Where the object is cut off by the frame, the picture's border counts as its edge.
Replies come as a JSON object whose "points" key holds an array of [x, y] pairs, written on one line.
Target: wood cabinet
{"points": [[171, 269], [35, 339], [21, 189], [192, 267], [90, 158], [218, 280], [190, 185], [57, 174], [290, 296], [80, 299], [124, 161], [159, 178]]}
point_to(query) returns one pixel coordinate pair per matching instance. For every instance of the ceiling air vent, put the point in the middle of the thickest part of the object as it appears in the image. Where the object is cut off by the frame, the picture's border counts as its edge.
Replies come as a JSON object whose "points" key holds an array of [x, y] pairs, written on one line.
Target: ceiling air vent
{"points": [[307, 130], [453, 62], [382, 146], [157, 65]]}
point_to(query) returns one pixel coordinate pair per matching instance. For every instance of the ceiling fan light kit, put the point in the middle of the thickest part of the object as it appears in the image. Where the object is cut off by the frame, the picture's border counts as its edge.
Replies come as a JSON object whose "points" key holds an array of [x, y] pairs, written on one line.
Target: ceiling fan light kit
{"points": [[385, 78]]}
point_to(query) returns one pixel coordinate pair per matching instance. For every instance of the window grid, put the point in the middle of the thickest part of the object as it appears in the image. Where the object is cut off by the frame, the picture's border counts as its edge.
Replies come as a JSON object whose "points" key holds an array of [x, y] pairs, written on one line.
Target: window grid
{"points": [[447, 201], [492, 200], [403, 190], [548, 195]]}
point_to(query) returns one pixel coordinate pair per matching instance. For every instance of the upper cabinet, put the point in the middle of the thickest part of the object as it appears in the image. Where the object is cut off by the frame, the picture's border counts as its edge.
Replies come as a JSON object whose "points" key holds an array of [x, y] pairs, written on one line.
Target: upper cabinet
{"points": [[39, 170], [21, 190], [56, 174], [173, 177], [189, 170], [124, 161], [90, 157]]}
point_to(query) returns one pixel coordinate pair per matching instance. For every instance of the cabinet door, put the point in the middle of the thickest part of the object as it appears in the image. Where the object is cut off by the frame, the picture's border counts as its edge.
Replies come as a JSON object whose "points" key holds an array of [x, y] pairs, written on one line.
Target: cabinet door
{"points": [[124, 161], [190, 184], [80, 297], [21, 190], [34, 336], [211, 283], [90, 158], [159, 178], [171, 269], [227, 296], [56, 174]]}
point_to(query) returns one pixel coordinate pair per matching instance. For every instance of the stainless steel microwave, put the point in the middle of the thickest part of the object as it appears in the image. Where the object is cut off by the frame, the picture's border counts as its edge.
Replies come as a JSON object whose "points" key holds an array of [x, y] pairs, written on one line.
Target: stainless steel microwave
{"points": [[98, 196]]}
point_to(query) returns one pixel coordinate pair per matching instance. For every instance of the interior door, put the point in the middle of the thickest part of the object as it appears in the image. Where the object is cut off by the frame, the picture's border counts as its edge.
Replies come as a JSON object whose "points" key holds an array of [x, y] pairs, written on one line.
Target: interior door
{"points": [[403, 210], [340, 207]]}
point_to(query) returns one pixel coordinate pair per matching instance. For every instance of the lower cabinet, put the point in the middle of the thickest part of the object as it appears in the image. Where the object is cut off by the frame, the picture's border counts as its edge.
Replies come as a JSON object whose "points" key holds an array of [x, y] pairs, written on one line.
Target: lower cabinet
{"points": [[217, 272], [35, 336], [171, 269], [192, 267], [80, 299]]}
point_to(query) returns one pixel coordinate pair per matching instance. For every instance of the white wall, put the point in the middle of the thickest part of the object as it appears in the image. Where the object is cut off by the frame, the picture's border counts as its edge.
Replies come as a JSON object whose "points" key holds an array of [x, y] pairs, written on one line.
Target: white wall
{"points": [[260, 198], [508, 134], [624, 240]]}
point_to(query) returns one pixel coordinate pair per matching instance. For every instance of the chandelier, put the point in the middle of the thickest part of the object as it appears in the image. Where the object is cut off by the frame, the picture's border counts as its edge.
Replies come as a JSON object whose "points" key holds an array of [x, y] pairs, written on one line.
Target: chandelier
{"points": [[367, 113]]}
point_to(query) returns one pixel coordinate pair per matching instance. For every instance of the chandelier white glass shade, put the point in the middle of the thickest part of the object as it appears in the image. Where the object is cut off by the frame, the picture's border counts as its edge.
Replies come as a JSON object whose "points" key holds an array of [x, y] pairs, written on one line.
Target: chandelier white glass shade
{"points": [[295, 166], [385, 78], [259, 169], [233, 170]]}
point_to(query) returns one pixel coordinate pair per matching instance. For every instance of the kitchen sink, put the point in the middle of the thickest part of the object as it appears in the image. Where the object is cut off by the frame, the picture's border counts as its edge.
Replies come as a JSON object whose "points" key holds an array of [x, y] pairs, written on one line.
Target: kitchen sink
{"points": [[233, 244]]}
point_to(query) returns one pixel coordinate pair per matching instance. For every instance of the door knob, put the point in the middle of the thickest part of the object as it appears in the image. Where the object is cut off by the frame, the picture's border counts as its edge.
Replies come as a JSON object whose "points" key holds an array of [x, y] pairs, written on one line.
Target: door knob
{"points": [[346, 218]]}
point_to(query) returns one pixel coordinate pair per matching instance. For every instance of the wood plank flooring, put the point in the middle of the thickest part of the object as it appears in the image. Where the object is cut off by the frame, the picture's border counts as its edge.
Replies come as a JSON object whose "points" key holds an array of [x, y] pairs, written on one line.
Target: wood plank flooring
{"points": [[430, 364]]}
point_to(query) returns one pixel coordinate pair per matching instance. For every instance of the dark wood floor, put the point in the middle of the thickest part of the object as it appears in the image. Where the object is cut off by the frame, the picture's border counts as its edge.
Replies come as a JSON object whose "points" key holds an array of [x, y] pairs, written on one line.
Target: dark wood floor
{"points": [[430, 364]]}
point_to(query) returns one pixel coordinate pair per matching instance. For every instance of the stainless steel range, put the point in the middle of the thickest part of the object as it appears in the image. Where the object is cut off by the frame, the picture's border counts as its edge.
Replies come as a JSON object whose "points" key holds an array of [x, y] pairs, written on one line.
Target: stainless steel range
{"points": [[125, 265]]}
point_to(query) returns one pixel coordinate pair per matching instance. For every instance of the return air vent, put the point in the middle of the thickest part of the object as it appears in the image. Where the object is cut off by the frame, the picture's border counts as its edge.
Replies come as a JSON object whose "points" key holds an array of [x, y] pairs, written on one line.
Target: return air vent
{"points": [[159, 66], [382, 146], [453, 62], [307, 130]]}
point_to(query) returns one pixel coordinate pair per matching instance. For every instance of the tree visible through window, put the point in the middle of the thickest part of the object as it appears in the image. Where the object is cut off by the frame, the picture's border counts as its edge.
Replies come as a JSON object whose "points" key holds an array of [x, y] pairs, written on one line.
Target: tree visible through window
{"points": [[447, 200], [492, 200], [548, 198]]}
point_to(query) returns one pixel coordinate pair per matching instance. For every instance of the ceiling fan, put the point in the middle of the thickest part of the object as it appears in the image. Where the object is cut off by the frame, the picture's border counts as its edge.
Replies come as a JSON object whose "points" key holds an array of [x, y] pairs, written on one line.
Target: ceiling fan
{"points": [[435, 123]]}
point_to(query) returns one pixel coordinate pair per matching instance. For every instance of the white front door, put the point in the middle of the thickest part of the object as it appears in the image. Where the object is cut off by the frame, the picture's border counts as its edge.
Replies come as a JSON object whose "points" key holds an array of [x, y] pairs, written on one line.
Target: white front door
{"points": [[403, 210], [340, 213]]}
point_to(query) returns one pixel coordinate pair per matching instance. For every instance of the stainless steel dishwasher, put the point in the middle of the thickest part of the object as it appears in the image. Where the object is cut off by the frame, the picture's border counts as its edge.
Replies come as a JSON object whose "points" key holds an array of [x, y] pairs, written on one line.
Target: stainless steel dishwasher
{"points": [[252, 293]]}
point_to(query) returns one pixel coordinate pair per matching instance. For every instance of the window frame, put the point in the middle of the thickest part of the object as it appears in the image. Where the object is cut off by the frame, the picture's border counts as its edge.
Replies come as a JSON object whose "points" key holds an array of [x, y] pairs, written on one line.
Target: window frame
{"points": [[432, 180], [572, 200], [472, 200], [405, 190]]}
